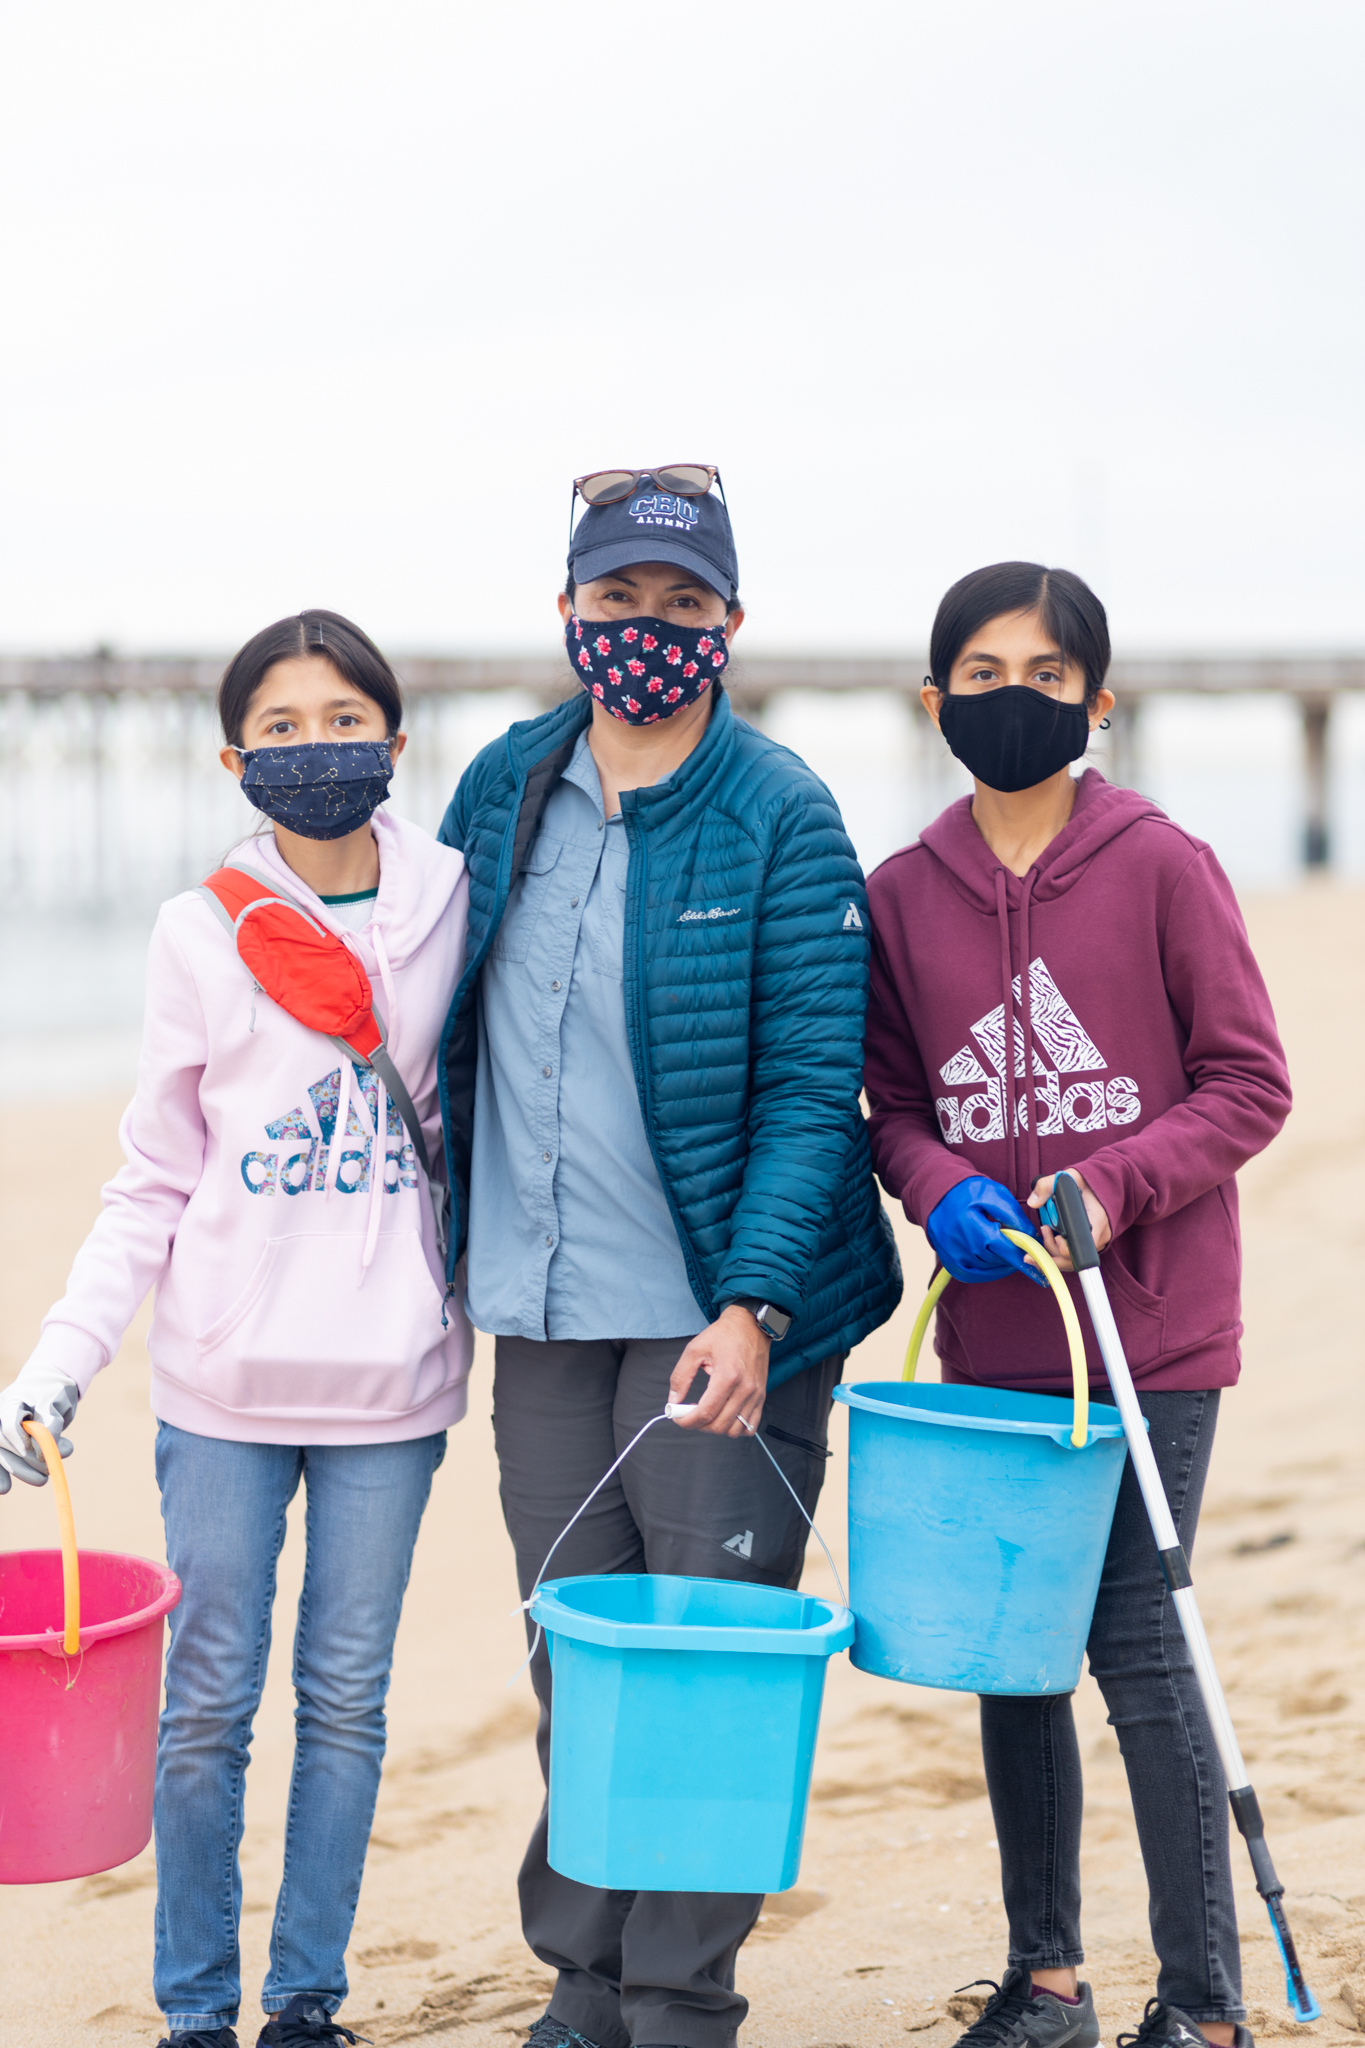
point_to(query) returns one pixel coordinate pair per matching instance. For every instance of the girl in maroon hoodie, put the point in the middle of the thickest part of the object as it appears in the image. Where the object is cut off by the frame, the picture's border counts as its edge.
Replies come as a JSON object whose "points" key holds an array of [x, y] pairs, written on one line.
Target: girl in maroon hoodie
{"points": [[1061, 979]]}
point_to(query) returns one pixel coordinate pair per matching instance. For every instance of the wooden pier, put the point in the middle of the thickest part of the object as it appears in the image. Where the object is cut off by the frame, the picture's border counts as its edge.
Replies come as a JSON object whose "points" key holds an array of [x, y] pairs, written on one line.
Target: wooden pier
{"points": [[95, 683]]}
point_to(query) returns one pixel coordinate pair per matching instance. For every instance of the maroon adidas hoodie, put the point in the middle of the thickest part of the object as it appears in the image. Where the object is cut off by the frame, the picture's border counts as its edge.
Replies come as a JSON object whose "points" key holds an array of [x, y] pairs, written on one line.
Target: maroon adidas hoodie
{"points": [[1156, 1069]]}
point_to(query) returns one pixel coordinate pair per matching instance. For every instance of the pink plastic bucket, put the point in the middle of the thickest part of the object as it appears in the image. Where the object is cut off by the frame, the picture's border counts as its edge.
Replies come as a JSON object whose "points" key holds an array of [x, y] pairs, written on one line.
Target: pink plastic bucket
{"points": [[78, 1750]]}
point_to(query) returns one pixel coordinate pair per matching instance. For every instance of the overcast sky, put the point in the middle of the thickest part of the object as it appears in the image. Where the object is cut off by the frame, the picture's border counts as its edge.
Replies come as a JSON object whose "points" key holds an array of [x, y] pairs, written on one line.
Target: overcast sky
{"points": [[327, 303]]}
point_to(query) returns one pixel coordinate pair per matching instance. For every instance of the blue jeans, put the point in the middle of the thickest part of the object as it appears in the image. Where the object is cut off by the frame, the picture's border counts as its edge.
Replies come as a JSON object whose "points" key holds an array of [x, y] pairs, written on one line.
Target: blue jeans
{"points": [[1139, 1660], [224, 1509]]}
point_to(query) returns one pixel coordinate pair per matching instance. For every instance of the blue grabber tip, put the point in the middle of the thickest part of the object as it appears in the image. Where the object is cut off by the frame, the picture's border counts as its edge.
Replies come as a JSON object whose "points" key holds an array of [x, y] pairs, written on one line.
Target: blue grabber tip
{"points": [[1302, 2003]]}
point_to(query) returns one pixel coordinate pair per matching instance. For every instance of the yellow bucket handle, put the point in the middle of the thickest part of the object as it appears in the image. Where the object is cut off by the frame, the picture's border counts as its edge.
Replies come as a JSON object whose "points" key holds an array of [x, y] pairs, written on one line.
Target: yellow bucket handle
{"points": [[1047, 1266], [66, 1523]]}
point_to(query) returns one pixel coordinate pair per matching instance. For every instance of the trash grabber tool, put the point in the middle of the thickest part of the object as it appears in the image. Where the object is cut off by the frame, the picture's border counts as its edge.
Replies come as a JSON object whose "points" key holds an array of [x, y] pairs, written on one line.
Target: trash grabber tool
{"points": [[1074, 1226]]}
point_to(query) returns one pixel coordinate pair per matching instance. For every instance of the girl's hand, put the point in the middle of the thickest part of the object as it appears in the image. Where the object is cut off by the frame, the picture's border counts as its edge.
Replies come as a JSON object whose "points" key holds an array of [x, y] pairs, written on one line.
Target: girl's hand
{"points": [[1099, 1222], [44, 1394]]}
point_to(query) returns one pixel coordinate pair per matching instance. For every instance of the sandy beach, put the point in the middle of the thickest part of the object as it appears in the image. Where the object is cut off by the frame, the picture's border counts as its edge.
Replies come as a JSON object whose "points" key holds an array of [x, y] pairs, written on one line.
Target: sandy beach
{"points": [[897, 1901]]}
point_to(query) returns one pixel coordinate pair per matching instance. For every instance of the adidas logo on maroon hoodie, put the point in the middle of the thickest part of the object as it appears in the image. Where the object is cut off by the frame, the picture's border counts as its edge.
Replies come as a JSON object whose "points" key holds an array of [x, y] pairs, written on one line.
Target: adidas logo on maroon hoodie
{"points": [[1085, 1105]]}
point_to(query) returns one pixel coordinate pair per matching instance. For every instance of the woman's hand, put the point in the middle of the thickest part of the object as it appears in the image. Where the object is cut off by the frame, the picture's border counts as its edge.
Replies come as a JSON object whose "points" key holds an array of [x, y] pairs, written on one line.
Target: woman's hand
{"points": [[733, 1353], [1099, 1222]]}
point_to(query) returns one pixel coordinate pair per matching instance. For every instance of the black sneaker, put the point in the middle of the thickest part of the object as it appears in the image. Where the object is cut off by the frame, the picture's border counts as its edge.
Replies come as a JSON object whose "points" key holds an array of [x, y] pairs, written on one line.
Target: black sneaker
{"points": [[548, 2032], [199, 2037], [304, 2023], [1020, 2017], [1166, 2026]]}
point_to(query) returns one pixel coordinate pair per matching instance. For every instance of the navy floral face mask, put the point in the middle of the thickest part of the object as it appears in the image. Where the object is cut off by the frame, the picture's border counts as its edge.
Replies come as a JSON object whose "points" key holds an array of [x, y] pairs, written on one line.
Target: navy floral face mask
{"points": [[641, 669], [321, 789]]}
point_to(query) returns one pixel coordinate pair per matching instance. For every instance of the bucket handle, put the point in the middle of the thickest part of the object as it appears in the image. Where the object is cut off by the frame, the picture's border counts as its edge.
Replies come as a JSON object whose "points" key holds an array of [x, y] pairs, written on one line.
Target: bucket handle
{"points": [[1047, 1266], [66, 1523]]}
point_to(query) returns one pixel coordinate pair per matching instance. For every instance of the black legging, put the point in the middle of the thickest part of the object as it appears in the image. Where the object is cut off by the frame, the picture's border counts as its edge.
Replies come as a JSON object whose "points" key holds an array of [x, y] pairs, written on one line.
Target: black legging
{"points": [[1138, 1657]]}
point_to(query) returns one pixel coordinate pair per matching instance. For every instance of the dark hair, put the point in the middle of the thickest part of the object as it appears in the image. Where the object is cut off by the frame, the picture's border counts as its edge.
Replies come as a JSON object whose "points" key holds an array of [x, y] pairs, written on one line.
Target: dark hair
{"points": [[1069, 609], [732, 604], [325, 635]]}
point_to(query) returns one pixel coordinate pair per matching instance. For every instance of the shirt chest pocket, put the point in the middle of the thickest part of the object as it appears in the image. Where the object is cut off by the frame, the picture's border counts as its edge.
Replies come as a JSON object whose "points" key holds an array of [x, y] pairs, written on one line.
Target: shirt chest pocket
{"points": [[525, 903], [605, 931]]}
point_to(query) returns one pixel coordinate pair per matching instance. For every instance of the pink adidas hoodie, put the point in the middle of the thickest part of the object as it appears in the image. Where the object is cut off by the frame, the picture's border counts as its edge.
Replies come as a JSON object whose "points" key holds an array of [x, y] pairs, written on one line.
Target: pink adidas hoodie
{"points": [[1156, 1068], [299, 1295]]}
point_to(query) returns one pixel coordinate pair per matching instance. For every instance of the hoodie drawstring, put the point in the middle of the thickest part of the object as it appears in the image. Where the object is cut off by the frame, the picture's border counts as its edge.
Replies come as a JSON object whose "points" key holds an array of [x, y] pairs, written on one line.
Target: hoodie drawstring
{"points": [[390, 990], [338, 1129], [377, 1158], [1018, 1112], [1002, 912], [378, 1167], [381, 1111], [1035, 1157]]}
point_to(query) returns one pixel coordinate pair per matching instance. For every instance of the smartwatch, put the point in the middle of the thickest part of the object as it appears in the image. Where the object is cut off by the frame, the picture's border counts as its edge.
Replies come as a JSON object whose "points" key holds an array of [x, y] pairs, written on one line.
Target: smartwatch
{"points": [[774, 1322]]}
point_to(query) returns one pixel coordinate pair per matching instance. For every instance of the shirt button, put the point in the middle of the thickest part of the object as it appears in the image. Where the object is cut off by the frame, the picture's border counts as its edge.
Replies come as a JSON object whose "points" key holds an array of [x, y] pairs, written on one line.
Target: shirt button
{"points": [[547, 1157], [555, 985], [547, 1071], [573, 904], [549, 1240]]}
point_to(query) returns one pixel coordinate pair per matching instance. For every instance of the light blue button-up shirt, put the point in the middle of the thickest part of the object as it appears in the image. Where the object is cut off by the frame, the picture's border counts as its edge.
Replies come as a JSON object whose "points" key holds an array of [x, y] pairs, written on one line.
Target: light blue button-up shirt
{"points": [[570, 1234]]}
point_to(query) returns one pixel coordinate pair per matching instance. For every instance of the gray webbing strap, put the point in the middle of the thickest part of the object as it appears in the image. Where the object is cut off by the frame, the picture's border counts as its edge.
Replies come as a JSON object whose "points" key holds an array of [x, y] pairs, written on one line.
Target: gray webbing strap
{"points": [[388, 1073]]}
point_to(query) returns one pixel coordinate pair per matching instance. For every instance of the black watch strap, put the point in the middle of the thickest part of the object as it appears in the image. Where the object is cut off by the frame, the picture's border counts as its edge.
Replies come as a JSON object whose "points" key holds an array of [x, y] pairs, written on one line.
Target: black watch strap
{"points": [[773, 1321]]}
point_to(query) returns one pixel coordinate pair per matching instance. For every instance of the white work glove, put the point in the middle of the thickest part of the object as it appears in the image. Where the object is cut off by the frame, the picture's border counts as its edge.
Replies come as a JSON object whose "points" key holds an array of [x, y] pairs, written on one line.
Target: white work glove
{"points": [[42, 1393]]}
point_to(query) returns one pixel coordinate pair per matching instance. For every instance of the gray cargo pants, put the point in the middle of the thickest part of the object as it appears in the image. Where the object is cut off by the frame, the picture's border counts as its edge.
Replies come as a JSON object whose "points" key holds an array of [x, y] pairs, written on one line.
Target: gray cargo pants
{"points": [[644, 1967]]}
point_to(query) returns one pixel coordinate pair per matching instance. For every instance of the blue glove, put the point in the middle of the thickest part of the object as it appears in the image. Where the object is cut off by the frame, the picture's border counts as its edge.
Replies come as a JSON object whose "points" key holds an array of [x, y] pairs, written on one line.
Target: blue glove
{"points": [[965, 1232]]}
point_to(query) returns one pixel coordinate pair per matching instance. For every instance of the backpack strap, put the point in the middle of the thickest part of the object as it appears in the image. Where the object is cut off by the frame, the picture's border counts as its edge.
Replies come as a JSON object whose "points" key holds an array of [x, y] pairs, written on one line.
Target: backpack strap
{"points": [[234, 892]]}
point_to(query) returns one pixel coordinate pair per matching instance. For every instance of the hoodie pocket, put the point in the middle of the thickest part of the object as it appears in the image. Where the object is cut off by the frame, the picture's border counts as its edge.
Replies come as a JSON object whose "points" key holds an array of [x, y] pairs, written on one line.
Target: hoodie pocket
{"points": [[1140, 1314], [524, 905], [314, 1333]]}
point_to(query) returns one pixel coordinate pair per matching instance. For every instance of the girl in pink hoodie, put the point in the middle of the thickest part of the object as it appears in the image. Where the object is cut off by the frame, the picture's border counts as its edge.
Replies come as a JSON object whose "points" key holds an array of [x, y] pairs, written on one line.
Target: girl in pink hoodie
{"points": [[275, 1199], [1061, 979]]}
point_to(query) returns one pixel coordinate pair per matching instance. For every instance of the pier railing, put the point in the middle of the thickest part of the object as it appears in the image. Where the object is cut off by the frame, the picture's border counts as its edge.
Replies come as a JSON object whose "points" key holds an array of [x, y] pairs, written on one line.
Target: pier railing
{"points": [[108, 794]]}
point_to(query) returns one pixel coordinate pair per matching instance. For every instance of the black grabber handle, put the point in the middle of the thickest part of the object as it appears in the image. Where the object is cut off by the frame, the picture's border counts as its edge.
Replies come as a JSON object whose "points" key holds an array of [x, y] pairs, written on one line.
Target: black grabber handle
{"points": [[1080, 1238]]}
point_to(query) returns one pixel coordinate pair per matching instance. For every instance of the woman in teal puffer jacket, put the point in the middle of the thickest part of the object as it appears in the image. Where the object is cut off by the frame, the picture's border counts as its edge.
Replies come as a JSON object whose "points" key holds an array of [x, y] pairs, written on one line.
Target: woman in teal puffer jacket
{"points": [[650, 1080], [745, 986]]}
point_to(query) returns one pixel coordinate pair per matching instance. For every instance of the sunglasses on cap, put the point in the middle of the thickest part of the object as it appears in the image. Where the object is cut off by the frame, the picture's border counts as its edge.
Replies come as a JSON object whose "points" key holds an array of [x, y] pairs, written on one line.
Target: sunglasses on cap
{"points": [[683, 479]]}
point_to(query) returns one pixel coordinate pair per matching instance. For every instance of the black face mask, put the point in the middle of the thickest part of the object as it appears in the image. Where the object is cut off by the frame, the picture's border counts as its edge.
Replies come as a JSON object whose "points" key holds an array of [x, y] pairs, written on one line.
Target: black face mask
{"points": [[1014, 737]]}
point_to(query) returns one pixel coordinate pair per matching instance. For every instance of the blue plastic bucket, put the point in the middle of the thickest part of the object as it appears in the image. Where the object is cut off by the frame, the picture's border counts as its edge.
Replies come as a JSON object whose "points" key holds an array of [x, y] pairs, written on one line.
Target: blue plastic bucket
{"points": [[977, 1533], [685, 1716]]}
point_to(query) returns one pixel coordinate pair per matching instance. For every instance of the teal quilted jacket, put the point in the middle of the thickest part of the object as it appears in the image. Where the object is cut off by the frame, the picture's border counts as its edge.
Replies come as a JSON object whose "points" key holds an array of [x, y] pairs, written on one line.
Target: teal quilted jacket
{"points": [[746, 962]]}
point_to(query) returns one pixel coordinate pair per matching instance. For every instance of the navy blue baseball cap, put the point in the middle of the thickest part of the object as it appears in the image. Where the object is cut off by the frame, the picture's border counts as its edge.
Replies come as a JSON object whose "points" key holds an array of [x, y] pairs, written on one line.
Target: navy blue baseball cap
{"points": [[655, 526]]}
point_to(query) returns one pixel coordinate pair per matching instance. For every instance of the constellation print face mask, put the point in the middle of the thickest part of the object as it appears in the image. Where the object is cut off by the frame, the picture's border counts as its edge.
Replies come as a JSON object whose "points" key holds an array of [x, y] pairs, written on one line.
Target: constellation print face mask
{"points": [[641, 669], [321, 789]]}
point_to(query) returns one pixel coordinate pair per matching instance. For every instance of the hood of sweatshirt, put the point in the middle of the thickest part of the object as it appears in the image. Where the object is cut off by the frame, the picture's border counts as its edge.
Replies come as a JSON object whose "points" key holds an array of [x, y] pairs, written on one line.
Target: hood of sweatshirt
{"points": [[417, 879], [1100, 813]]}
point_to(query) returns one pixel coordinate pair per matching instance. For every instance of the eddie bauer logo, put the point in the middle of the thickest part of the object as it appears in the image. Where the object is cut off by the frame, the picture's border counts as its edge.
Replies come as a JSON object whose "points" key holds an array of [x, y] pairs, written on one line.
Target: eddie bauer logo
{"points": [[1082, 1105]]}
